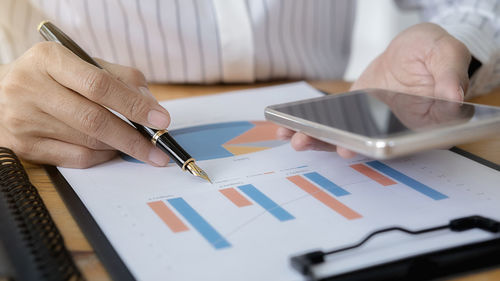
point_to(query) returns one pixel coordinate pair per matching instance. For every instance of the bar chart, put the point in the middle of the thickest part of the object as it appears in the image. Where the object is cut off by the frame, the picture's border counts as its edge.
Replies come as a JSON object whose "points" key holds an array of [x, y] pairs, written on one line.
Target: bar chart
{"points": [[180, 216], [191, 216], [266, 203], [381, 172], [177, 213], [322, 196]]}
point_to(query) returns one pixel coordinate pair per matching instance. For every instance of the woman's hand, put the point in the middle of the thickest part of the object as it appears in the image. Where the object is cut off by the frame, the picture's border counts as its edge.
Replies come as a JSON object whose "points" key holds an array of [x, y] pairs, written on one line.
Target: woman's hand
{"points": [[53, 109], [422, 60]]}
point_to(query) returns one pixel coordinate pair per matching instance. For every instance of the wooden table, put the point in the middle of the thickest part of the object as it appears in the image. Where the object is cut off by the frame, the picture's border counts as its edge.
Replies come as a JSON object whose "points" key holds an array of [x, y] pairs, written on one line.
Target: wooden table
{"points": [[82, 252]]}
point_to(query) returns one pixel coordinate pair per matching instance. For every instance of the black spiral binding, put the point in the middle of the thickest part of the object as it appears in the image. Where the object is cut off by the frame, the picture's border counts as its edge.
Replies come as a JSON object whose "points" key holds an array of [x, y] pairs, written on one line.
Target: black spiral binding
{"points": [[31, 240]]}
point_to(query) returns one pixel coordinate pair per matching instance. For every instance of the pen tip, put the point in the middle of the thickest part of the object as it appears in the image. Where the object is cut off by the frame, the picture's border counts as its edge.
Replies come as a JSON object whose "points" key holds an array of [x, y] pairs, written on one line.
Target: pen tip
{"points": [[197, 171]]}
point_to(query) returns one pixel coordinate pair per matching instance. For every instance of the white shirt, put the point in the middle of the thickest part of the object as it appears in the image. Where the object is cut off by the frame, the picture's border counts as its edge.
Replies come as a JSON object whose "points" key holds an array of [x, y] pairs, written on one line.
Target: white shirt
{"points": [[210, 41]]}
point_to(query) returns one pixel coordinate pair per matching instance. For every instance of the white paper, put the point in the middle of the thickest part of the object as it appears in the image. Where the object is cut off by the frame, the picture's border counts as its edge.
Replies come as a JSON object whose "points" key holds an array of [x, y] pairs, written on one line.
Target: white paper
{"points": [[117, 194]]}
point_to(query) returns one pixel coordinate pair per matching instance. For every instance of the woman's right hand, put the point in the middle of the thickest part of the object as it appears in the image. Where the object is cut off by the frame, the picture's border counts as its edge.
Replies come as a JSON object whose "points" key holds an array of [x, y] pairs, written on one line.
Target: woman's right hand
{"points": [[53, 109]]}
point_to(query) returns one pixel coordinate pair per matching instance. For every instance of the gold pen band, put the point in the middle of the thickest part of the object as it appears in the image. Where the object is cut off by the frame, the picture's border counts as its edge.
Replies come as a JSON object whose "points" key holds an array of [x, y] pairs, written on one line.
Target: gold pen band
{"points": [[157, 135], [187, 163], [41, 24]]}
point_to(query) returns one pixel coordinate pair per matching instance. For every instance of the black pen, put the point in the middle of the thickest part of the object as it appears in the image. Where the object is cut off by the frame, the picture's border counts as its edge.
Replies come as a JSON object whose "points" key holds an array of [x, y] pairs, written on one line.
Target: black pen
{"points": [[160, 138]]}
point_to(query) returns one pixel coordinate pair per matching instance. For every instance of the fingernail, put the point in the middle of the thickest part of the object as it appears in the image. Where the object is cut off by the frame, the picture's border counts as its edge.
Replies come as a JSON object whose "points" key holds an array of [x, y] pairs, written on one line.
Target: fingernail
{"points": [[158, 120], [145, 91], [461, 92], [158, 157]]}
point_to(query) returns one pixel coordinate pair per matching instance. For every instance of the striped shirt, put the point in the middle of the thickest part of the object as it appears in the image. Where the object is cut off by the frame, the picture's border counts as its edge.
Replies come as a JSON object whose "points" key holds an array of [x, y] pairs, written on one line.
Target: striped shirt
{"points": [[211, 41]]}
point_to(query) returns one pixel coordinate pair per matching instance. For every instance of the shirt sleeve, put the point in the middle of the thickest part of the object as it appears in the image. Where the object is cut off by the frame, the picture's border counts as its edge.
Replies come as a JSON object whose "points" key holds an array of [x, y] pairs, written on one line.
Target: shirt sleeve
{"points": [[476, 23], [6, 50]]}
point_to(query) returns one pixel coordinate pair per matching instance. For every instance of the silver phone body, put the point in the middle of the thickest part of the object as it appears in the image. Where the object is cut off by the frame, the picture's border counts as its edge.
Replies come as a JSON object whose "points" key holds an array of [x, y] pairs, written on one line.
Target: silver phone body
{"points": [[361, 121]]}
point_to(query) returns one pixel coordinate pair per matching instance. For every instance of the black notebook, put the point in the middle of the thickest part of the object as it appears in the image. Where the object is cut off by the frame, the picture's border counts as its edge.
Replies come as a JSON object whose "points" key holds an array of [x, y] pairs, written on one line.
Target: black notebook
{"points": [[32, 247]]}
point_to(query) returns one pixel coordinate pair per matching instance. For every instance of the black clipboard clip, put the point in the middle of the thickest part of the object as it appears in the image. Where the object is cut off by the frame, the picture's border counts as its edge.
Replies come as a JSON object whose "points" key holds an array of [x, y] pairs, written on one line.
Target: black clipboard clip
{"points": [[409, 268]]}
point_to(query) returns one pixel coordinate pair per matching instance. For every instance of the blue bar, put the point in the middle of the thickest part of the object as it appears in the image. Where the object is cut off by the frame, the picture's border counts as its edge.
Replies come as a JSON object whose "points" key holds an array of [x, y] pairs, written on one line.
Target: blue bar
{"points": [[266, 202], [199, 223], [327, 184], [418, 186]]}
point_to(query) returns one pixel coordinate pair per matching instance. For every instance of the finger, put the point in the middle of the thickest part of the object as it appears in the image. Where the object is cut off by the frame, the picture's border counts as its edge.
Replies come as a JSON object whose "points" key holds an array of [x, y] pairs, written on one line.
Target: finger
{"points": [[128, 75], [131, 76], [99, 123], [104, 88], [55, 129], [68, 155], [33, 123], [345, 153], [284, 133], [449, 61], [302, 142]]}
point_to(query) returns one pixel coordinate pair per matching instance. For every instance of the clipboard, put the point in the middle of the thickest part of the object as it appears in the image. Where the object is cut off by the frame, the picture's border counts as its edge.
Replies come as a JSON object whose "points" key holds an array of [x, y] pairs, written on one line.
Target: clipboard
{"points": [[419, 267]]}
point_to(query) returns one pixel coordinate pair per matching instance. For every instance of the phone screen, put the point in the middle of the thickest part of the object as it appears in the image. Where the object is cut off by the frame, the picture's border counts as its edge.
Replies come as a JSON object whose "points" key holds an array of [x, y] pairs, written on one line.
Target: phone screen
{"points": [[378, 113]]}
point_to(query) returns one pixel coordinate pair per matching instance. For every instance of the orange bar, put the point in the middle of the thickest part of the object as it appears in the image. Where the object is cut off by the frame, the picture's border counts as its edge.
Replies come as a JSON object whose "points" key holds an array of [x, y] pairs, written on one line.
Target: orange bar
{"points": [[235, 197], [168, 216], [324, 197], [372, 174]]}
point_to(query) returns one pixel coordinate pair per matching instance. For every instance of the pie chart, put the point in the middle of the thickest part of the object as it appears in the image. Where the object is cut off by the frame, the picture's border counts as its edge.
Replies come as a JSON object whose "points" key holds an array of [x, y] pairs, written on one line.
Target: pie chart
{"points": [[221, 140]]}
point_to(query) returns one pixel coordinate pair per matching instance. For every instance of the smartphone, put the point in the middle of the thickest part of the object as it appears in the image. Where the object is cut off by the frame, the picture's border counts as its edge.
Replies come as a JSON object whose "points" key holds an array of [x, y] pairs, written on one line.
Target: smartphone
{"points": [[384, 124]]}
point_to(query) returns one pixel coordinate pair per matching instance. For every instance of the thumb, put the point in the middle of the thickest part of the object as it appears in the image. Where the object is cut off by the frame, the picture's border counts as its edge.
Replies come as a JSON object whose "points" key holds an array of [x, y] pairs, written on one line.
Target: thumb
{"points": [[448, 64]]}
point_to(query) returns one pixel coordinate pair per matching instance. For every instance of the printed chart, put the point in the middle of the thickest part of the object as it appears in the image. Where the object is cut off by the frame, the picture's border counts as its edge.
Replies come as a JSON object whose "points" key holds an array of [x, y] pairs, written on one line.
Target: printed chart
{"points": [[179, 215], [268, 202], [221, 140]]}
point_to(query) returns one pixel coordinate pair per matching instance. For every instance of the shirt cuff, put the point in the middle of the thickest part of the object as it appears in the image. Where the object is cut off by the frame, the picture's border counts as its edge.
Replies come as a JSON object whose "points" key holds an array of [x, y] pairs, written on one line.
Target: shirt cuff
{"points": [[479, 42]]}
